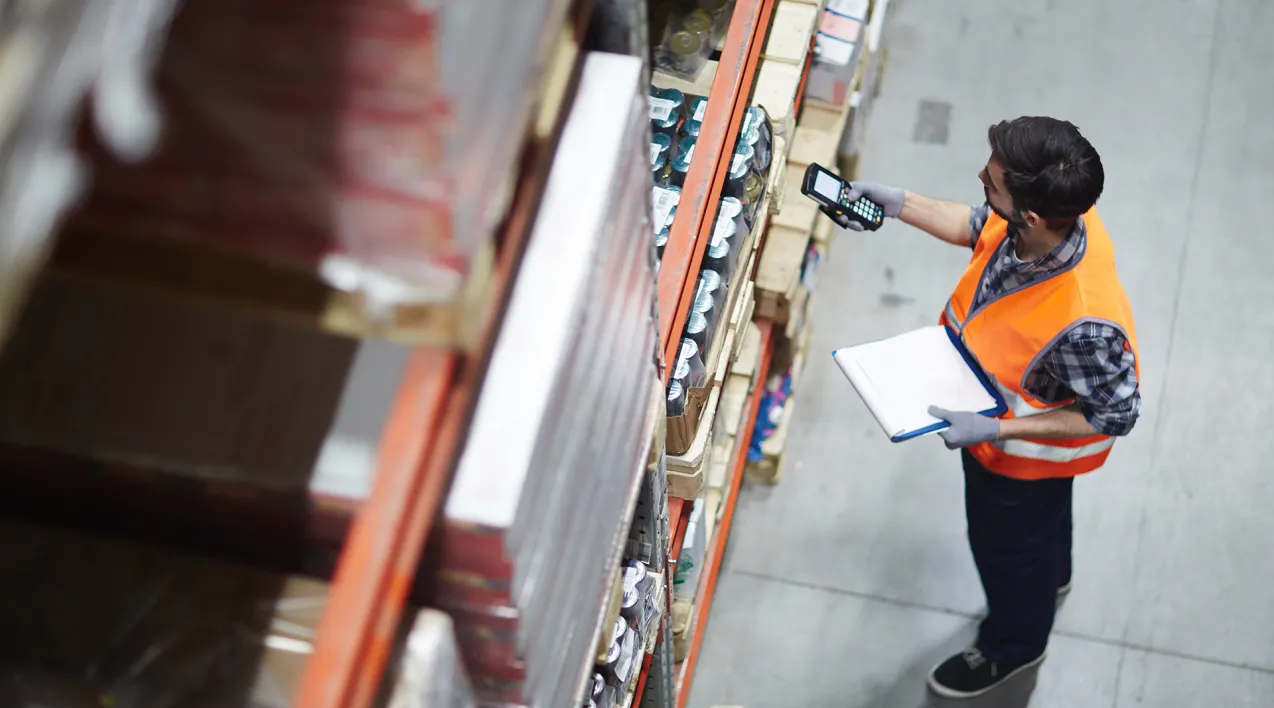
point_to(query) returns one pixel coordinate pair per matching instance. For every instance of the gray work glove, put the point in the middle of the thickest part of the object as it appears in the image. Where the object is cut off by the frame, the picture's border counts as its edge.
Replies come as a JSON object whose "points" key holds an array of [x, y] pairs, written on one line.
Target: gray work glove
{"points": [[967, 428], [889, 198]]}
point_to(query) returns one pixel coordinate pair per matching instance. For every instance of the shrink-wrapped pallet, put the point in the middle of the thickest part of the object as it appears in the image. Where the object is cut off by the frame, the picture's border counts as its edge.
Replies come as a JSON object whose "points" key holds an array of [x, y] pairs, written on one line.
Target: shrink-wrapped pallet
{"points": [[537, 515]]}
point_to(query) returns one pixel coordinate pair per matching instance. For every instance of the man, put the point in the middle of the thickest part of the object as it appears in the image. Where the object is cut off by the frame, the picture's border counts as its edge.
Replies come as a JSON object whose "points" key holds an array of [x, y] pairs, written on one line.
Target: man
{"points": [[1041, 309]]}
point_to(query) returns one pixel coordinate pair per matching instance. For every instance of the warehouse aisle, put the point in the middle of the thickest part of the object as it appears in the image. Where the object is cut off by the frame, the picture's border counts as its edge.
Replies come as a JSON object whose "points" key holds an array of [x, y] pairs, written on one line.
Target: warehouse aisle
{"points": [[848, 580]]}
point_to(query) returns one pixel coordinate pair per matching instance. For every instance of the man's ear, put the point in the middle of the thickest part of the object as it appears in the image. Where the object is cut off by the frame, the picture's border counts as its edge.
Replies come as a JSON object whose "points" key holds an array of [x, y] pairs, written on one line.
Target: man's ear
{"points": [[1032, 219]]}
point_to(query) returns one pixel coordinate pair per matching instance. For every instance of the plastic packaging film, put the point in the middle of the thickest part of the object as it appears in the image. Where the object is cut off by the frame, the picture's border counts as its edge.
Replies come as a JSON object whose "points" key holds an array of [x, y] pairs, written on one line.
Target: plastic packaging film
{"points": [[558, 443], [345, 136], [431, 673], [53, 52]]}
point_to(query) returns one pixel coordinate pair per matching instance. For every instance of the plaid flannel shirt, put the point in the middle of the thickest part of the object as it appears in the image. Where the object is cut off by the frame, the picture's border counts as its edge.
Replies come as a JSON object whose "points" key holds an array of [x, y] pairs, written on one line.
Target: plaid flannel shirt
{"points": [[1091, 362]]}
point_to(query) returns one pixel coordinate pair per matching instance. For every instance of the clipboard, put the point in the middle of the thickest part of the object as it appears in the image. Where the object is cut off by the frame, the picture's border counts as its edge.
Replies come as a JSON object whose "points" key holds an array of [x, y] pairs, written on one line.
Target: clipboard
{"points": [[900, 377]]}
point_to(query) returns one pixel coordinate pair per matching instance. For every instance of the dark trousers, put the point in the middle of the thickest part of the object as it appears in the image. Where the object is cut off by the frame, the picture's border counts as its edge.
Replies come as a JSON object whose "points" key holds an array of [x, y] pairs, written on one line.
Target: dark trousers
{"points": [[1020, 533]]}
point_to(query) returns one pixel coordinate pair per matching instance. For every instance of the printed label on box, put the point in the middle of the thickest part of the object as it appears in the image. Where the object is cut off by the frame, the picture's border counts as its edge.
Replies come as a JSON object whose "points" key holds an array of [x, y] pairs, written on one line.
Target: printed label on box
{"points": [[845, 28], [661, 108], [834, 51], [849, 8], [701, 110], [663, 201], [654, 152]]}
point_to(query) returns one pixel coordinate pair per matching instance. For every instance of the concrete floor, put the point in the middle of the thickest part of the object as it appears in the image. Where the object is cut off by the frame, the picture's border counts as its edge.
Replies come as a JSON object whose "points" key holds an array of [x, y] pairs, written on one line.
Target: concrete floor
{"points": [[848, 580]]}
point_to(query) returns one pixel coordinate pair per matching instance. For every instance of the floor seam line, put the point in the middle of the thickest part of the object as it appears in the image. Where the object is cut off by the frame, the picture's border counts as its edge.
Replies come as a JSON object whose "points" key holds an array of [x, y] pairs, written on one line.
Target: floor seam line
{"points": [[1161, 411], [853, 593], [907, 604], [1119, 677]]}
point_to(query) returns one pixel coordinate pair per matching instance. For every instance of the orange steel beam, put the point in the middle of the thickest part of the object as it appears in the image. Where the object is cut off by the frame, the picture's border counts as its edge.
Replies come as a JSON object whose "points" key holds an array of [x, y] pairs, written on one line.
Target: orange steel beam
{"points": [[678, 515], [367, 578], [722, 533], [701, 192], [641, 679]]}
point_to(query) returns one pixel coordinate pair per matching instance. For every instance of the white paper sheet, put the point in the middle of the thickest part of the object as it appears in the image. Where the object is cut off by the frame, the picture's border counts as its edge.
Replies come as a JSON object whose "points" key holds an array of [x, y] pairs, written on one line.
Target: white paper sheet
{"points": [[900, 377]]}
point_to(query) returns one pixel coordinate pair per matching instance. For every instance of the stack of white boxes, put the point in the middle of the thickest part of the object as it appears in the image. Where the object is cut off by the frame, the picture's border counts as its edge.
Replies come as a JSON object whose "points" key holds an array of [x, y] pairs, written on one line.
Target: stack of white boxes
{"points": [[837, 47], [538, 513]]}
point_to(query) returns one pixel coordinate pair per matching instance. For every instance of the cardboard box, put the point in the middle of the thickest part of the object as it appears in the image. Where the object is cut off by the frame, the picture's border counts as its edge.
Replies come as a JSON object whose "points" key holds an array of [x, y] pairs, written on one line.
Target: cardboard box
{"points": [[840, 40]]}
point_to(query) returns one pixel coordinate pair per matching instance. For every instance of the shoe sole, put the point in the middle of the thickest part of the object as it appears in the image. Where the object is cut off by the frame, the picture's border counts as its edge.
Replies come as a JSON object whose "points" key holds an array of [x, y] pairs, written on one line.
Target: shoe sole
{"points": [[1065, 589], [945, 692]]}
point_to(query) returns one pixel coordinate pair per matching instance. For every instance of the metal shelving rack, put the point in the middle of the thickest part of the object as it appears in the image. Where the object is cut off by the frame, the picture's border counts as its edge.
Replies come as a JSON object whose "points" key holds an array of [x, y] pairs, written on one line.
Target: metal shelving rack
{"points": [[683, 255], [692, 227], [421, 441], [389, 531]]}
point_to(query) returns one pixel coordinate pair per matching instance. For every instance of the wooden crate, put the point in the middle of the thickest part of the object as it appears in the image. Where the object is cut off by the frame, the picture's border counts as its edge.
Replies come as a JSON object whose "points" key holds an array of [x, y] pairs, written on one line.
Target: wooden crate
{"points": [[792, 31], [778, 273], [798, 219], [796, 211], [686, 470], [776, 85], [746, 308]]}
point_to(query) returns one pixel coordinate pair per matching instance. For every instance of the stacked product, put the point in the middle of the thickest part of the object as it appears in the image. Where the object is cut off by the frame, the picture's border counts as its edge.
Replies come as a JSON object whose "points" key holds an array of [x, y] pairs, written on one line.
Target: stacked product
{"points": [[372, 141], [837, 50], [538, 513], [692, 31], [641, 608], [874, 37], [90, 622], [676, 119]]}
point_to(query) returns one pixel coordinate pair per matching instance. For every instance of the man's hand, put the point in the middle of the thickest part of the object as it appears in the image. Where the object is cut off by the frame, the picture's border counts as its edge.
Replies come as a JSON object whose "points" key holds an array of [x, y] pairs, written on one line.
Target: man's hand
{"points": [[890, 200], [967, 428]]}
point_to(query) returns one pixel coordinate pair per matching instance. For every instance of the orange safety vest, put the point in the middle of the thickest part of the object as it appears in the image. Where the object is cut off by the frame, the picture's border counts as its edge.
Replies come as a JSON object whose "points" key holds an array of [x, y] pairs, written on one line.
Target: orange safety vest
{"points": [[1009, 334]]}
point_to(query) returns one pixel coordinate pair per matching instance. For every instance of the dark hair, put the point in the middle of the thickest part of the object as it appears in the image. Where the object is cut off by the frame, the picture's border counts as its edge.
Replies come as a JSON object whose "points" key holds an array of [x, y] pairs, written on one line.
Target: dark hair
{"points": [[1049, 168]]}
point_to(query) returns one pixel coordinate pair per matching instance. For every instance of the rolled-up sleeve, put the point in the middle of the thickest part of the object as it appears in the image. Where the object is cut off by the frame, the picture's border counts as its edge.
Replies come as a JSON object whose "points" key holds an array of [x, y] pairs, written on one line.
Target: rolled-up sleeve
{"points": [[978, 214], [1095, 362]]}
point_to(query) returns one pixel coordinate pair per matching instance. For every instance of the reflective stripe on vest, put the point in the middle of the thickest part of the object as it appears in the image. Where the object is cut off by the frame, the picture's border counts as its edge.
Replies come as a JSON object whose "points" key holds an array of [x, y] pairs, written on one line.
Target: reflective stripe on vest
{"points": [[1019, 406], [952, 319], [1052, 453]]}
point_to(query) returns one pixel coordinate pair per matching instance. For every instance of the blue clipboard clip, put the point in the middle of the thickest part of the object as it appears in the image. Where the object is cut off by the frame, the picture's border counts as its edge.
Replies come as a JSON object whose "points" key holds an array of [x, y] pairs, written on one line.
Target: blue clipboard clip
{"points": [[1001, 406]]}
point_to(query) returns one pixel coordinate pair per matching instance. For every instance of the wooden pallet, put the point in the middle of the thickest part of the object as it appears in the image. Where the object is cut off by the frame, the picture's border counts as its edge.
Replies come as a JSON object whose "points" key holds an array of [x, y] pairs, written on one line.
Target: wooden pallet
{"points": [[778, 277], [681, 434], [687, 471]]}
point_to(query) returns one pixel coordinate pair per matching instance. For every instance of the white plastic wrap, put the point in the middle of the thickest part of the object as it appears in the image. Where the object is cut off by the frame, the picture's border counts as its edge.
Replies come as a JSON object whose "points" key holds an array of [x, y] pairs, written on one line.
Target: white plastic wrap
{"points": [[372, 142], [51, 53], [535, 518], [431, 673]]}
